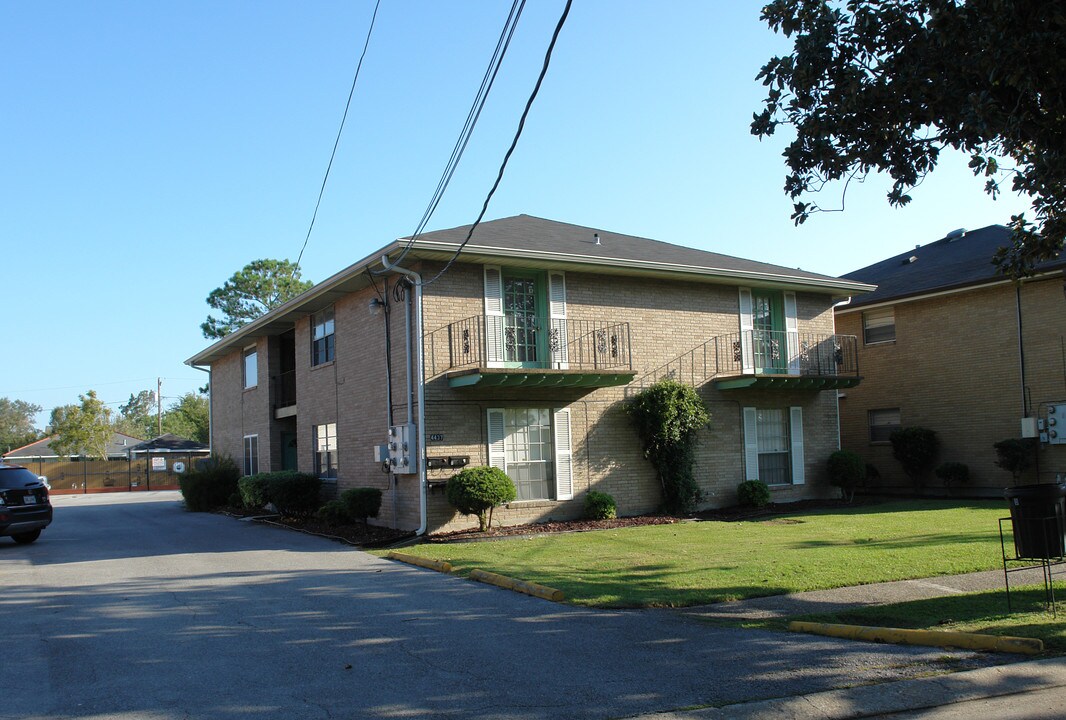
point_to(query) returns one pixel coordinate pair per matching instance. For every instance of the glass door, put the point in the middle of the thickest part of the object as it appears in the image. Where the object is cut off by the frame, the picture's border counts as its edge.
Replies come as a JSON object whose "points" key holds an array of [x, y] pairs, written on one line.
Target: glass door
{"points": [[522, 310], [768, 337]]}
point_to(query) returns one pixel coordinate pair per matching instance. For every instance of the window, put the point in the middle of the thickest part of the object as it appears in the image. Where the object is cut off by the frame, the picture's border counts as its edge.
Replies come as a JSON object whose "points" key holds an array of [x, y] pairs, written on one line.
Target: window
{"points": [[532, 445], [323, 347], [325, 450], [879, 326], [773, 445], [883, 423], [251, 454], [251, 367]]}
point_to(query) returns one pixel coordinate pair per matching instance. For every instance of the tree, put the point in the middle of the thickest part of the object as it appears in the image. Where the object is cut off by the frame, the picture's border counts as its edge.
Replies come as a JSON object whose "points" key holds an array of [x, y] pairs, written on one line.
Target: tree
{"points": [[887, 86], [138, 416], [916, 449], [83, 429], [17, 423], [189, 418], [258, 287]]}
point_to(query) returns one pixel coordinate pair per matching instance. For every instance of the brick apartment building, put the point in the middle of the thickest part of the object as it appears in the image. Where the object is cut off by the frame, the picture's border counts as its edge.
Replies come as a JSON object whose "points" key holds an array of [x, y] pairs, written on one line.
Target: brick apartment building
{"points": [[520, 355], [947, 343]]}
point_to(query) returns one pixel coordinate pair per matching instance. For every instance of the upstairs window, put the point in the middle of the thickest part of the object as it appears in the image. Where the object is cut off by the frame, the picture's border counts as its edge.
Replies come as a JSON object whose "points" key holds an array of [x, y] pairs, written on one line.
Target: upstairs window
{"points": [[322, 338], [883, 423], [879, 326], [251, 367]]}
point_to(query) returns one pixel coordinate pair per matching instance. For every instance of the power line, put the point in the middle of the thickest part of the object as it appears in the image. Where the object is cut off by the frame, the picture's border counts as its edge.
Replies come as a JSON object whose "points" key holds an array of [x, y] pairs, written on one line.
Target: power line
{"points": [[514, 143], [336, 143], [487, 81]]}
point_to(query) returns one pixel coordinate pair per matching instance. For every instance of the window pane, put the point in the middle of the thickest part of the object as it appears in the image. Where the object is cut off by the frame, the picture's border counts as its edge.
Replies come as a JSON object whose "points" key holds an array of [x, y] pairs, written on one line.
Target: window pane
{"points": [[325, 437], [322, 337], [528, 449], [251, 368], [882, 424], [879, 325], [773, 441], [251, 455]]}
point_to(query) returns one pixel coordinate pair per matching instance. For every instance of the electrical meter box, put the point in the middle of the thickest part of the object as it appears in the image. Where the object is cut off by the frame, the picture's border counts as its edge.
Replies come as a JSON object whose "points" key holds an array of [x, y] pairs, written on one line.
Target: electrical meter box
{"points": [[1056, 423], [401, 446]]}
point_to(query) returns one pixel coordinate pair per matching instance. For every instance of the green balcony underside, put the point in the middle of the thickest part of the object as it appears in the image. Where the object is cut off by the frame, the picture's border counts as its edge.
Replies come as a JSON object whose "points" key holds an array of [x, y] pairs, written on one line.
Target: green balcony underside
{"points": [[525, 377], [787, 382]]}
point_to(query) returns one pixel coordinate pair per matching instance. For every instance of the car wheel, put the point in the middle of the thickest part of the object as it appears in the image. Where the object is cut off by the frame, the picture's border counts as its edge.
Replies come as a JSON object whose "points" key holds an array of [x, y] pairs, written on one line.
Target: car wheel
{"points": [[27, 537]]}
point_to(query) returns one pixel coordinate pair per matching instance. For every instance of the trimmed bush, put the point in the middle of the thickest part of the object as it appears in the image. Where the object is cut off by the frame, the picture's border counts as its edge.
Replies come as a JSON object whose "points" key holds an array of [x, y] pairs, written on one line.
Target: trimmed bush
{"points": [[361, 503], [600, 506], [334, 513], [953, 473], [211, 484], [294, 494], [754, 493], [847, 471], [1016, 455], [915, 448], [254, 490], [478, 490]]}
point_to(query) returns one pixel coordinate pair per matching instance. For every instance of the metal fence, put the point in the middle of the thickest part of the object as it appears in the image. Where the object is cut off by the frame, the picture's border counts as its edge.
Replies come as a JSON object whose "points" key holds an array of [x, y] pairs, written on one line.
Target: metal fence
{"points": [[68, 477]]}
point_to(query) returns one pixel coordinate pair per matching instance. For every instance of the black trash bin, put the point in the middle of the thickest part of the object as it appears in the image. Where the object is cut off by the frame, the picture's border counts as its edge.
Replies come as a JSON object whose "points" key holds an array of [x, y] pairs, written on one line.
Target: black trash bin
{"points": [[1038, 518]]}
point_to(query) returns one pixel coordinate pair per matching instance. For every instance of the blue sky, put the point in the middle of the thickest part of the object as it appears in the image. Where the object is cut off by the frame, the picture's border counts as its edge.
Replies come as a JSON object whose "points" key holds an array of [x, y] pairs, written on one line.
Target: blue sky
{"points": [[149, 150]]}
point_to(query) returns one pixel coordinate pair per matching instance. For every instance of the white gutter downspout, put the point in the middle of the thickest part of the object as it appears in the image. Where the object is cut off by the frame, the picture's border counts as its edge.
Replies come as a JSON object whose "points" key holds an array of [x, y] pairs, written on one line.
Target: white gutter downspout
{"points": [[210, 407], [416, 281]]}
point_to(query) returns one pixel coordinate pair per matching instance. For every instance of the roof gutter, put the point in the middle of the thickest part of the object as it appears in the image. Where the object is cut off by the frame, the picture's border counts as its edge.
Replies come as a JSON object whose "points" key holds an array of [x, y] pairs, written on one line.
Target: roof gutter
{"points": [[415, 334]]}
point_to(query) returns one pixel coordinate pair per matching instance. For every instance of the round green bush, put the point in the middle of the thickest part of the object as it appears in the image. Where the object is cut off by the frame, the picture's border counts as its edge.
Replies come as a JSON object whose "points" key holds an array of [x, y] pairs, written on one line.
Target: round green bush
{"points": [[847, 470], [600, 506], [953, 473], [254, 490], [477, 490], [361, 503], [753, 493], [334, 513], [210, 484]]}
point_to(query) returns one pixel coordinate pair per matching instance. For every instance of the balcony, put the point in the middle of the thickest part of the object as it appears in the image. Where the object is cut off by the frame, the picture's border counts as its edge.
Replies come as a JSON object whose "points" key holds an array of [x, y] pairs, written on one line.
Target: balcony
{"points": [[284, 394], [767, 359], [494, 351]]}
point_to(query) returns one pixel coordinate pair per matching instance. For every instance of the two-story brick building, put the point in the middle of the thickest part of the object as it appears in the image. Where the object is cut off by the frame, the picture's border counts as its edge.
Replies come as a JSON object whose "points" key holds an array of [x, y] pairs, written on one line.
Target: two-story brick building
{"points": [[949, 344], [519, 352]]}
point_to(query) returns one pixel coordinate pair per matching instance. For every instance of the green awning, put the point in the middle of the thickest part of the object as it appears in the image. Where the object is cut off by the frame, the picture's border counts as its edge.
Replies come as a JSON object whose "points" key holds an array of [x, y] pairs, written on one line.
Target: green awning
{"points": [[788, 382], [526, 377]]}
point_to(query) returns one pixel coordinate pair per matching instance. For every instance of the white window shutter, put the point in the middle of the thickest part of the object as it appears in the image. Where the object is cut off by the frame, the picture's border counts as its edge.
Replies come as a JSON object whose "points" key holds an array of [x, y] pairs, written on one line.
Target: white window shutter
{"points": [[564, 461], [751, 444], [792, 333], [497, 439], [747, 350], [796, 427], [557, 338], [494, 352]]}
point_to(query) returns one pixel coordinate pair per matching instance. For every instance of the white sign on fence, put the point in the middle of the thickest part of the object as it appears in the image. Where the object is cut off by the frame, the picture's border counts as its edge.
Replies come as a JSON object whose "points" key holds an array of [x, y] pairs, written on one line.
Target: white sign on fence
{"points": [[159, 463]]}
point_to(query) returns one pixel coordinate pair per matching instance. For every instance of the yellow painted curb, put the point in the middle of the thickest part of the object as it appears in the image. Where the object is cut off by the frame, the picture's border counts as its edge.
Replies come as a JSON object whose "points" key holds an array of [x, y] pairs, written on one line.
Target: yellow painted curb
{"points": [[936, 638], [438, 565], [541, 591]]}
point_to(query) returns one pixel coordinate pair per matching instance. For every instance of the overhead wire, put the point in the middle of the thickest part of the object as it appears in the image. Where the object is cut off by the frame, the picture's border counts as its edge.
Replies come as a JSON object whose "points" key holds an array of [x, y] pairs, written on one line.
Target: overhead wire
{"points": [[487, 81], [510, 150], [336, 143]]}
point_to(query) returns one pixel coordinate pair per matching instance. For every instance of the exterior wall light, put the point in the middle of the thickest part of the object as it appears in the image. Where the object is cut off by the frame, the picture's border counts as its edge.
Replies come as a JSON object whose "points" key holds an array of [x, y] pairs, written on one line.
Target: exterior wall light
{"points": [[376, 307]]}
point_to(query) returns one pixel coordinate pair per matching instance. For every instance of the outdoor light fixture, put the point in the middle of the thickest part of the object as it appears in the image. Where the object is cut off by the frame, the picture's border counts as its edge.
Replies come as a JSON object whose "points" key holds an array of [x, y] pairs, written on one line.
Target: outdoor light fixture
{"points": [[376, 306]]}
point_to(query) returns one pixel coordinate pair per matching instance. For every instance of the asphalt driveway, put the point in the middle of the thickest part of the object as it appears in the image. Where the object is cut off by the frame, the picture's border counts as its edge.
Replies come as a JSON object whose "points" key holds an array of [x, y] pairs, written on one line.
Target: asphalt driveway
{"points": [[131, 607]]}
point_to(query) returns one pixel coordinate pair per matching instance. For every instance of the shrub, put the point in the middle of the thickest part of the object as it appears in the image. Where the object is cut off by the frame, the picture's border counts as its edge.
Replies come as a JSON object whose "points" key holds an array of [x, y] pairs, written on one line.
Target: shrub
{"points": [[294, 494], [254, 490], [361, 503], [600, 506], [478, 490], [211, 484], [334, 513], [953, 473], [1016, 455], [915, 448], [754, 493], [667, 416], [847, 470]]}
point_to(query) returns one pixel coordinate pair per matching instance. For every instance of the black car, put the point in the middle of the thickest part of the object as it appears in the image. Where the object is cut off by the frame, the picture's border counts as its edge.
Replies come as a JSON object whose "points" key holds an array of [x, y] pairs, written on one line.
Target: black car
{"points": [[24, 506]]}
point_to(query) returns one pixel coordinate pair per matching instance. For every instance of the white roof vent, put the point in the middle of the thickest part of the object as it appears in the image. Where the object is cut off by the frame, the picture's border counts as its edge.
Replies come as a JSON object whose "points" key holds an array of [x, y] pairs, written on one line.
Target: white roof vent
{"points": [[955, 234], [911, 259]]}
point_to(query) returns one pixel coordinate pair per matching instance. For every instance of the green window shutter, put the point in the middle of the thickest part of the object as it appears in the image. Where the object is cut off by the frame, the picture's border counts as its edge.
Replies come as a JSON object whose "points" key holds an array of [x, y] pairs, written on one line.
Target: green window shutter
{"points": [[564, 463], [751, 444], [557, 337], [497, 437], [747, 350], [494, 352], [796, 429], [792, 333]]}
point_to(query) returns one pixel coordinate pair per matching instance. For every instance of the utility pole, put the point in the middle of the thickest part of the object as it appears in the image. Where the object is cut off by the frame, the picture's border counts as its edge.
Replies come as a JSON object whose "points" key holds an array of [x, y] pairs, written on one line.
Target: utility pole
{"points": [[159, 406]]}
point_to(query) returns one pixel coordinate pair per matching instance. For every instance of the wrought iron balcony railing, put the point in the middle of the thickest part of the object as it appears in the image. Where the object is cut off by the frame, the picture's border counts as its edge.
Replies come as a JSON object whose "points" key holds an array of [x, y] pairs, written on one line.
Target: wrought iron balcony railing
{"points": [[539, 343]]}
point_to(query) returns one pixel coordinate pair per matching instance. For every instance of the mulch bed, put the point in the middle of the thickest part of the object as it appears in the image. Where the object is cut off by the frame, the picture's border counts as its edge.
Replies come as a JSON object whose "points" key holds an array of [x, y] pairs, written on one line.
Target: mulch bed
{"points": [[555, 526]]}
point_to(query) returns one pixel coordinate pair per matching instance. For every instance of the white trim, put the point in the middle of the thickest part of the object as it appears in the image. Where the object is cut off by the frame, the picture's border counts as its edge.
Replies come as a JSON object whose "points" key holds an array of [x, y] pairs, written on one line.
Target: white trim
{"points": [[792, 332], [795, 429], [751, 444], [747, 325], [244, 455], [497, 434], [557, 319]]}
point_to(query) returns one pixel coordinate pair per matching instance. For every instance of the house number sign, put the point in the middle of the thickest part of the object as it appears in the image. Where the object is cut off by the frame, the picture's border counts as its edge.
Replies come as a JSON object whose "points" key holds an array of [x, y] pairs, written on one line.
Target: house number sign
{"points": [[436, 437]]}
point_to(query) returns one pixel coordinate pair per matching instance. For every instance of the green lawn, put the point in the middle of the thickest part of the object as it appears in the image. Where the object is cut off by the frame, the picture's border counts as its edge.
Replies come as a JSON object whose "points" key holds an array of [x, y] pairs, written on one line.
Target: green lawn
{"points": [[692, 563]]}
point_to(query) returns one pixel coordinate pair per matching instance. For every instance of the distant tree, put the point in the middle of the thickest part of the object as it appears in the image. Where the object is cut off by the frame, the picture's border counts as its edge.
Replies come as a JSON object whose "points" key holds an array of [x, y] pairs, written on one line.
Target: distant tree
{"points": [[887, 86], [258, 287], [189, 418], [17, 423], [138, 416], [83, 429]]}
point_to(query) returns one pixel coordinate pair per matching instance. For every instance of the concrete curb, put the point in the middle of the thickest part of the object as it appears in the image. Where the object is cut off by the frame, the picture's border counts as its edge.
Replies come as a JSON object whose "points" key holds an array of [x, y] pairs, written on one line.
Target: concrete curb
{"points": [[542, 591], [933, 638], [896, 697], [438, 565]]}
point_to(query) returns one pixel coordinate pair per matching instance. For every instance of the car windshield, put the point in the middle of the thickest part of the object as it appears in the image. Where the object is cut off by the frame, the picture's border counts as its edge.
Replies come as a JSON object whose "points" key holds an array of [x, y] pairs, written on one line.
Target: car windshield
{"points": [[16, 478]]}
